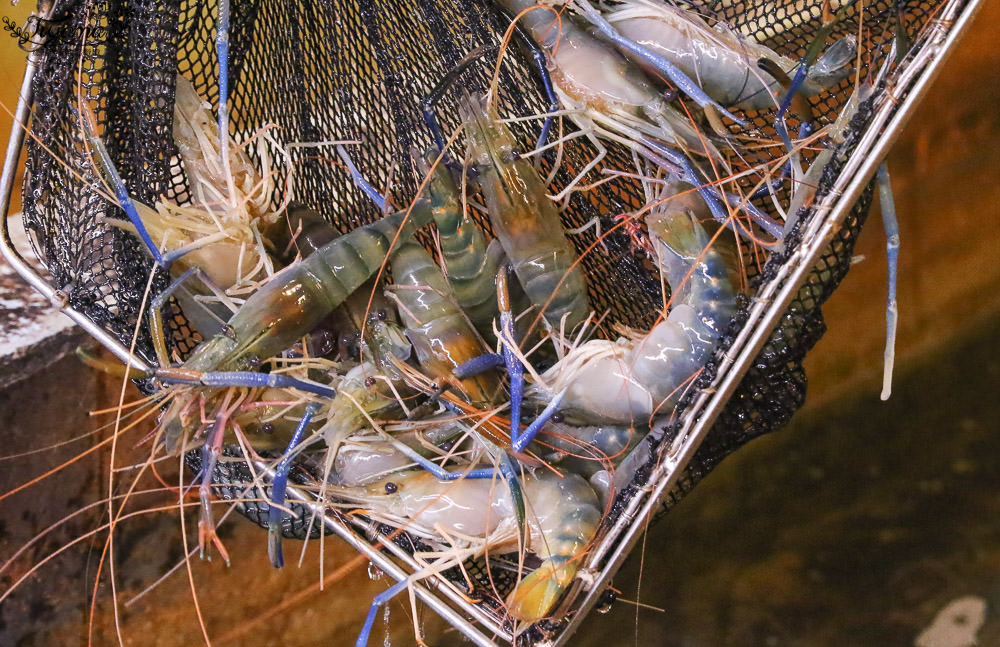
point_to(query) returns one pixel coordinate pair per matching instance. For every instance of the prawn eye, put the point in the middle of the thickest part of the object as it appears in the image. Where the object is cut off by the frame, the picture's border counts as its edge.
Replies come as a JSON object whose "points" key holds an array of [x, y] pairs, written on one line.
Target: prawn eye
{"points": [[323, 343], [381, 315], [370, 381], [670, 94], [267, 428], [391, 488], [557, 417]]}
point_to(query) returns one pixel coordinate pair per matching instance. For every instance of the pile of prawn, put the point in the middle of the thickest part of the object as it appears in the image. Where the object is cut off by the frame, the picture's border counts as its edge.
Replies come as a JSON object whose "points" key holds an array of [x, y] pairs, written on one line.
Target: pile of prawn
{"points": [[475, 402]]}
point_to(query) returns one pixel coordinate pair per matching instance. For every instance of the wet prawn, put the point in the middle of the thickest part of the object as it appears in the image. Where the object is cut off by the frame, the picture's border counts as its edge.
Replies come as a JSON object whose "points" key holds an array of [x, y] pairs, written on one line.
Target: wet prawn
{"points": [[296, 299], [606, 96], [527, 222], [721, 61], [469, 261], [478, 515], [634, 378]]}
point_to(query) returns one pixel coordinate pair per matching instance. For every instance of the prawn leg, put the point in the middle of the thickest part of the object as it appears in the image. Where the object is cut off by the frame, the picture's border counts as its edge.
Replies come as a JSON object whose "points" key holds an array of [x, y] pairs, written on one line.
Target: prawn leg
{"points": [[112, 177], [210, 453], [519, 440], [359, 179], [377, 602], [812, 56], [202, 317], [222, 52], [891, 226], [279, 486], [541, 66], [514, 367], [477, 365], [242, 379]]}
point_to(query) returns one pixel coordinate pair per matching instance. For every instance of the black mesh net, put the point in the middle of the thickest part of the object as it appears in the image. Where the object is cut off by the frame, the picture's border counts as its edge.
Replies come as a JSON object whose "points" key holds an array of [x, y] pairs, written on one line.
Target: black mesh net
{"points": [[359, 70]]}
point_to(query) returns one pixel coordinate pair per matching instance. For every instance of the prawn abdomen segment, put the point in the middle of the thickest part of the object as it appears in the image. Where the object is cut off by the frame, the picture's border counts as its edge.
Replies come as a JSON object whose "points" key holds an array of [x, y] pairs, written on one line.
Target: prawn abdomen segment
{"points": [[435, 325], [473, 279], [671, 354], [304, 302], [471, 264], [605, 387], [617, 82], [552, 281], [446, 343], [449, 340], [545, 262]]}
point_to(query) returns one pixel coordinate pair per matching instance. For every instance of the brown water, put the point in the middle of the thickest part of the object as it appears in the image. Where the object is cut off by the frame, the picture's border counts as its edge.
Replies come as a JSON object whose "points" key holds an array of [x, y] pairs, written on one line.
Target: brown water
{"points": [[854, 526]]}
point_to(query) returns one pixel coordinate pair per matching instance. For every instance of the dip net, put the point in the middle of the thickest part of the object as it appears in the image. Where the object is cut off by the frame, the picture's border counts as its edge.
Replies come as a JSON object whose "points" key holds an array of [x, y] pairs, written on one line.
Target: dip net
{"points": [[360, 70]]}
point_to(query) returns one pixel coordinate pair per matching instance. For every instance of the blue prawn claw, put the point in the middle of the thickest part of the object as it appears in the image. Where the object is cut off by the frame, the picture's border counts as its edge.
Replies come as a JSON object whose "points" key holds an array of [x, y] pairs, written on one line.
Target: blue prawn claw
{"points": [[891, 226], [279, 486]]}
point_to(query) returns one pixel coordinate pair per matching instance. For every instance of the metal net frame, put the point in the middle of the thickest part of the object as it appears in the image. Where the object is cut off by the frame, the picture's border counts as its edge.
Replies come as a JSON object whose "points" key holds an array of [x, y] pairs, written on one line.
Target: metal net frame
{"points": [[360, 70]]}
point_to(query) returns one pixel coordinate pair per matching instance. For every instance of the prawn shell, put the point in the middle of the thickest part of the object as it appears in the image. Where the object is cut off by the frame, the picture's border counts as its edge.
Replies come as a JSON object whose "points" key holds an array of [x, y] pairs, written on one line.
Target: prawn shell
{"points": [[637, 377], [440, 333], [300, 296], [527, 223], [588, 71], [725, 68], [471, 265]]}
